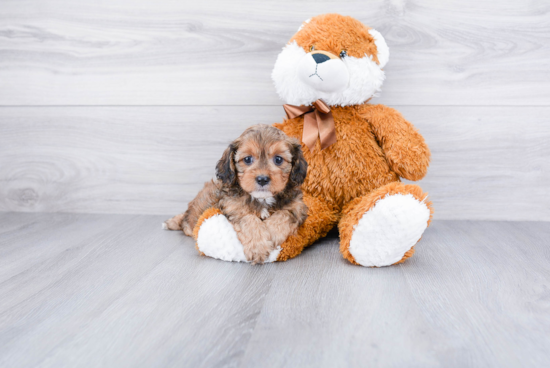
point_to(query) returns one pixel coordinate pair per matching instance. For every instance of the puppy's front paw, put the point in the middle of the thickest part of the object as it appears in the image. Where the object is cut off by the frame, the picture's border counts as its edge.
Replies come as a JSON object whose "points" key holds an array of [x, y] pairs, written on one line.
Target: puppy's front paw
{"points": [[258, 252]]}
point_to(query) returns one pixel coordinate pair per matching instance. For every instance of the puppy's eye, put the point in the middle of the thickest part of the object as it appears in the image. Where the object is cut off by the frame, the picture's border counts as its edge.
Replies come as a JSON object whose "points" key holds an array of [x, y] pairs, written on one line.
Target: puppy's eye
{"points": [[278, 160], [248, 160], [311, 48], [343, 53]]}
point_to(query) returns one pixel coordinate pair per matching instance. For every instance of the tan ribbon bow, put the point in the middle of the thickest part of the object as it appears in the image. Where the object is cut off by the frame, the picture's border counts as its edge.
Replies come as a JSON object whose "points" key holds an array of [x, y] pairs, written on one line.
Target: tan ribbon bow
{"points": [[318, 122]]}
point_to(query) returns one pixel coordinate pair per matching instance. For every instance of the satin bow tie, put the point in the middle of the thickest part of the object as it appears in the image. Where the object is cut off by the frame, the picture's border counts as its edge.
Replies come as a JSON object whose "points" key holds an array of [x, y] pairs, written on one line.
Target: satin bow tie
{"points": [[318, 122]]}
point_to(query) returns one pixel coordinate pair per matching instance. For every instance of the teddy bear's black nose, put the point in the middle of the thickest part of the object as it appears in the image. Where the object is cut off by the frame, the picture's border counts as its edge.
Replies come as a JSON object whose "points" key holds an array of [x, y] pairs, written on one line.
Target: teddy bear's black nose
{"points": [[320, 58], [262, 180]]}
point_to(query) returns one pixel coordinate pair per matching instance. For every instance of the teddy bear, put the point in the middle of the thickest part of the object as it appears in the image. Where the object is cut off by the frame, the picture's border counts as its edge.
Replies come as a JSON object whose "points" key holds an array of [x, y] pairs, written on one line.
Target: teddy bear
{"points": [[357, 152]]}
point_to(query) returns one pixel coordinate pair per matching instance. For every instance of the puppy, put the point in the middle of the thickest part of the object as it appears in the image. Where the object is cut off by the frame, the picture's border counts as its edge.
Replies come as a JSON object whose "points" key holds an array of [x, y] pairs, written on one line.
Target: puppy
{"points": [[257, 189]]}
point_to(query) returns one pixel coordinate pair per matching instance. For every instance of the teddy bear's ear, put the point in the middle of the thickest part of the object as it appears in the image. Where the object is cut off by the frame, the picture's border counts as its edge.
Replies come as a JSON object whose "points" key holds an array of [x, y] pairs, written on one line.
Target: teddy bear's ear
{"points": [[381, 46], [303, 24]]}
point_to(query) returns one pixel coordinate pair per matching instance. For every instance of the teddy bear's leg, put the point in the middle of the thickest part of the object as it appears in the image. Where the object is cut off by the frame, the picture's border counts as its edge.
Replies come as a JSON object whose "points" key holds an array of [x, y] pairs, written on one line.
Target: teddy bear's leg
{"points": [[321, 218], [215, 237], [382, 227]]}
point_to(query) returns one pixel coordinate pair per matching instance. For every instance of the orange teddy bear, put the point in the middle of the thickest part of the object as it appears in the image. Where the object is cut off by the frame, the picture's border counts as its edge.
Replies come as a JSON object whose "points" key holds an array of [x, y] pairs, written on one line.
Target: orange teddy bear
{"points": [[356, 152]]}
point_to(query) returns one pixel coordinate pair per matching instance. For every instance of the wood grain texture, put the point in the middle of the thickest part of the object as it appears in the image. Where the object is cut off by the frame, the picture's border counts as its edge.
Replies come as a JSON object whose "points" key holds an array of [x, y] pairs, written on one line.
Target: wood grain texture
{"points": [[116, 291], [487, 163], [164, 52], [471, 296], [62, 283]]}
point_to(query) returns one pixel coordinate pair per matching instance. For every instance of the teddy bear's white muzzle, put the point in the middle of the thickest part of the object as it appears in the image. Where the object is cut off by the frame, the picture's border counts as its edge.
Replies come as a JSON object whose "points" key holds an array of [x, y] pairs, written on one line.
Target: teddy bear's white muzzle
{"points": [[323, 75]]}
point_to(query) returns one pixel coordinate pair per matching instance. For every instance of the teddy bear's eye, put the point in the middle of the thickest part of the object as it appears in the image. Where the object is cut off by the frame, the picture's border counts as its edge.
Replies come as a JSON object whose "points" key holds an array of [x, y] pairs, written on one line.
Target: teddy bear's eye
{"points": [[311, 48], [343, 53]]}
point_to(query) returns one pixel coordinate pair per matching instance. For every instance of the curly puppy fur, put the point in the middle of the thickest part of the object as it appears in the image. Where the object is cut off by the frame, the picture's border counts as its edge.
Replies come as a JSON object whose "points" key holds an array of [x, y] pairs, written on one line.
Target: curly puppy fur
{"points": [[257, 188]]}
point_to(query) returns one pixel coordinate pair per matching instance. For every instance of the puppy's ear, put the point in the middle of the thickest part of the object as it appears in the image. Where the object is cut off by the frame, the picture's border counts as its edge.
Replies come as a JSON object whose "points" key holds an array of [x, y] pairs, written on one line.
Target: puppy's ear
{"points": [[225, 169], [299, 164]]}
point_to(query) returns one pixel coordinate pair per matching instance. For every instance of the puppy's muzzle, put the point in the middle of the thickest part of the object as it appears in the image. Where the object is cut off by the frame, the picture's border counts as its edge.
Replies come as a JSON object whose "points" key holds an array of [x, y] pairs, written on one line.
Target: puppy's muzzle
{"points": [[263, 180]]}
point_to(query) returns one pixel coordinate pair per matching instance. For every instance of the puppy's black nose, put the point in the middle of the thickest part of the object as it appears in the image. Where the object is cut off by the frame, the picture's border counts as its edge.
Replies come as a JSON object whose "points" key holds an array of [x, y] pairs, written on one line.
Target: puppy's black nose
{"points": [[262, 180], [320, 58]]}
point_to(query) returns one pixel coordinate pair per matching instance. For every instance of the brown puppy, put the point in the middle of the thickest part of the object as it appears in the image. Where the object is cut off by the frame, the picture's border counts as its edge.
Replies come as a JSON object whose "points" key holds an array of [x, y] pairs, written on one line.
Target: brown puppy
{"points": [[257, 188]]}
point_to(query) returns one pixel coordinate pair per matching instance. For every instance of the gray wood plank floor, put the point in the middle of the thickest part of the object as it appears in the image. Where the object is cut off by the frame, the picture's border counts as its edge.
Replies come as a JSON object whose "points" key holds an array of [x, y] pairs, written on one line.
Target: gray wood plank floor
{"points": [[90, 290]]}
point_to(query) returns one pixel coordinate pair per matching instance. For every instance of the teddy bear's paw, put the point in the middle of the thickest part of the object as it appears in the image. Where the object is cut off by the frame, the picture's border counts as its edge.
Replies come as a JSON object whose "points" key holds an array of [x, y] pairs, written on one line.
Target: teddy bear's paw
{"points": [[217, 239], [388, 230]]}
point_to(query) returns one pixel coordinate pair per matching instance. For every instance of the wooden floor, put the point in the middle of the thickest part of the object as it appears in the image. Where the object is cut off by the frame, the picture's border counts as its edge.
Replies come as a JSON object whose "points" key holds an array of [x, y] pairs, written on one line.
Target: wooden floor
{"points": [[117, 291]]}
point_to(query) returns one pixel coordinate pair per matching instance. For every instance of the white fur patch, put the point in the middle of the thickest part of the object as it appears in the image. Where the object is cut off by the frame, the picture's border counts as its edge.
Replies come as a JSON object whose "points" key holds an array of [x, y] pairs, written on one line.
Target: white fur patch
{"points": [[365, 80], [388, 230], [264, 214], [270, 201], [383, 51], [273, 255], [164, 226], [329, 76], [218, 239], [262, 194]]}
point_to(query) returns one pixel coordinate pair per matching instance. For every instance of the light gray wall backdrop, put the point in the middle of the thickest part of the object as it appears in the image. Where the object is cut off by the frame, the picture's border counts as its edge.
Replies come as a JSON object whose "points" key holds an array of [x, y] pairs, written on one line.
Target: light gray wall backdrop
{"points": [[124, 106]]}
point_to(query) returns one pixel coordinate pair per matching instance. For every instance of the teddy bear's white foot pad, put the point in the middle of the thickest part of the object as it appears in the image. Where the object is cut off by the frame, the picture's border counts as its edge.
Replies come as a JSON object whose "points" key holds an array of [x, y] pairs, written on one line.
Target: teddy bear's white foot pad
{"points": [[388, 230], [218, 239]]}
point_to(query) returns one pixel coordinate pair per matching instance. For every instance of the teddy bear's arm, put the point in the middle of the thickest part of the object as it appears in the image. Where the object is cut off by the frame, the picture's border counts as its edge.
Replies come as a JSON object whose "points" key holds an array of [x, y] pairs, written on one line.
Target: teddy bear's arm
{"points": [[404, 147]]}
